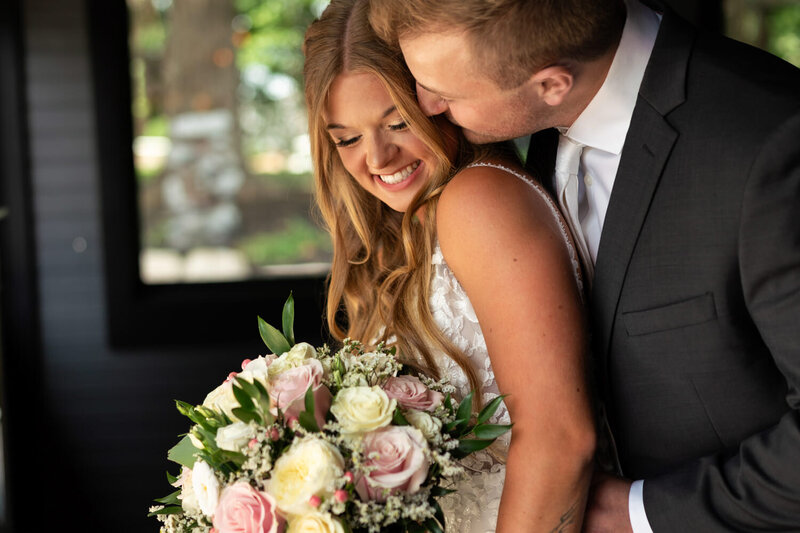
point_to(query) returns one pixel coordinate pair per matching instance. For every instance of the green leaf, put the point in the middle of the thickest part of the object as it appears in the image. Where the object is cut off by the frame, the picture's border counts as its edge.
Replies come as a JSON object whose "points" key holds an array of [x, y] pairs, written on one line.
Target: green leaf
{"points": [[399, 419], [171, 499], [167, 510], [468, 446], [439, 513], [309, 400], [183, 453], [242, 397], [433, 526], [273, 338], [490, 431], [438, 491], [465, 407], [288, 319], [171, 479], [246, 415], [308, 422], [489, 409]]}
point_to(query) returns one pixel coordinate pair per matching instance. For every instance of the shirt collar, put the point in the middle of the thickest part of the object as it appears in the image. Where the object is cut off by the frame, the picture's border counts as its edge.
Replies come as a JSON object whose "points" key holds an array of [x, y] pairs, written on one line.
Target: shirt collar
{"points": [[605, 121]]}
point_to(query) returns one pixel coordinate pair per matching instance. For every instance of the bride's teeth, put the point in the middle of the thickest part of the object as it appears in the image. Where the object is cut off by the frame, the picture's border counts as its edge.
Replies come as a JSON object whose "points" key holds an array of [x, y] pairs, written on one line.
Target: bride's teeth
{"points": [[400, 175]]}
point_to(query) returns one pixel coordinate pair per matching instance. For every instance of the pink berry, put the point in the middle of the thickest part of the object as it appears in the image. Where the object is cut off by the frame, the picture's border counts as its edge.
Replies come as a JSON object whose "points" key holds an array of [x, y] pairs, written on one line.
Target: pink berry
{"points": [[274, 434], [348, 476], [245, 363], [314, 501], [252, 443], [232, 375], [340, 495], [291, 422]]}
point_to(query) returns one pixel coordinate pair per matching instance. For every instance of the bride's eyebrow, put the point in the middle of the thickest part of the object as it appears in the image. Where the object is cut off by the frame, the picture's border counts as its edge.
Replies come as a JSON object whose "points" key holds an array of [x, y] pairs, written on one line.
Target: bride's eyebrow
{"points": [[334, 126]]}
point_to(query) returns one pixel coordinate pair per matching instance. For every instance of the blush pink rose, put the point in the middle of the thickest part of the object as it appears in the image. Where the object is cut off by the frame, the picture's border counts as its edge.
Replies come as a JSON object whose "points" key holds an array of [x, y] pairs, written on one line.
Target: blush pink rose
{"points": [[397, 456], [411, 393], [242, 508], [288, 391]]}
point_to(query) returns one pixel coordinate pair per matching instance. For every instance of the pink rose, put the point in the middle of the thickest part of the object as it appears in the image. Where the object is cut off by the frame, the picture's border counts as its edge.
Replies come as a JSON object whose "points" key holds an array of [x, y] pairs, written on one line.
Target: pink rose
{"points": [[242, 508], [411, 393], [288, 391], [397, 454]]}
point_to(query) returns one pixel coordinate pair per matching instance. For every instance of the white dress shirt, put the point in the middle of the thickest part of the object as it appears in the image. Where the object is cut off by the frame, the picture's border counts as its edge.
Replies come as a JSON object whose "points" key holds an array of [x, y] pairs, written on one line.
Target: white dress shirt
{"points": [[602, 128]]}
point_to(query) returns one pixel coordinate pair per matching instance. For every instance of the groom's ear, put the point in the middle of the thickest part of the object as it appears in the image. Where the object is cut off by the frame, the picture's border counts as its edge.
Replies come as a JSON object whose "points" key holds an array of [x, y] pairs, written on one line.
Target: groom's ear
{"points": [[553, 84]]}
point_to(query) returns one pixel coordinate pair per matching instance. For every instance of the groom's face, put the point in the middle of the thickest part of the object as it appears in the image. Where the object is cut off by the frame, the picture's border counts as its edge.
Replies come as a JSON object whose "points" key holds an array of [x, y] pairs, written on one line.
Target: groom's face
{"points": [[450, 81]]}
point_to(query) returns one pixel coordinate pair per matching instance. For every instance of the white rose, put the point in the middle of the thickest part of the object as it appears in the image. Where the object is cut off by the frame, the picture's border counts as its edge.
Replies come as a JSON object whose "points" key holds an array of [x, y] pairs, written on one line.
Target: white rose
{"points": [[257, 369], [206, 487], [309, 467], [315, 522], [187, 496], [295, 357], [430, 426], [362, 409], [222, 400], [234, 437]]}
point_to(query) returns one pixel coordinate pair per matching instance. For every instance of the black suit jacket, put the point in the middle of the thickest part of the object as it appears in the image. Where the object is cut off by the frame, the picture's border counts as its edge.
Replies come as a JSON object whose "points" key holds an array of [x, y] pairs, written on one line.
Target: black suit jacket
{"points": [[695, 302]]}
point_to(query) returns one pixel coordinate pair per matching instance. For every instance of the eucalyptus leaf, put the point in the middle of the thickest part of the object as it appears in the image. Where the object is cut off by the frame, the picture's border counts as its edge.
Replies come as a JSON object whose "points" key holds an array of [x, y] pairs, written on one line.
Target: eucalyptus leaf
{"points": [[490, 431], [288, 319], [489, 409], [273, 338], [183, 453]]}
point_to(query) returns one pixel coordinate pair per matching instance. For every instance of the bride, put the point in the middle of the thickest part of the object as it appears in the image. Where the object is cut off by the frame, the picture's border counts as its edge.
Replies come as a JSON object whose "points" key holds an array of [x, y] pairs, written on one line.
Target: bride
{"points": [[456, 256]]}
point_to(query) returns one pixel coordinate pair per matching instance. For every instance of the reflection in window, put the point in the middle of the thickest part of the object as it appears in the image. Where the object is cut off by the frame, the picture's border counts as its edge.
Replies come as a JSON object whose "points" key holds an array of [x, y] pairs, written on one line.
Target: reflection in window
{"points": [[220, 140]]}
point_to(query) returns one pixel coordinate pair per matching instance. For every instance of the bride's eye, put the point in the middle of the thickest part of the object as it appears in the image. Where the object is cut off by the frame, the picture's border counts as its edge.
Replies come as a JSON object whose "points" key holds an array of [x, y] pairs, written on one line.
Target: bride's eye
{"points": [[346, 142], [399, 126]]}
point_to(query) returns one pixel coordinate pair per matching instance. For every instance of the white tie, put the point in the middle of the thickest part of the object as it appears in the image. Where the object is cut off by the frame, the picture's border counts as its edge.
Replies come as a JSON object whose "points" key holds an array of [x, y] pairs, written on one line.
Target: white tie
{"points": [[568, 160]]}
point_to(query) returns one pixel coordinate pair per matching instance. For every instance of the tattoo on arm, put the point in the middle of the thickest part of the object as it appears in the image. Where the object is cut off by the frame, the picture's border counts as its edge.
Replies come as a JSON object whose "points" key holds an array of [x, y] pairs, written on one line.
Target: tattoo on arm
{"points": [[567, 519]]}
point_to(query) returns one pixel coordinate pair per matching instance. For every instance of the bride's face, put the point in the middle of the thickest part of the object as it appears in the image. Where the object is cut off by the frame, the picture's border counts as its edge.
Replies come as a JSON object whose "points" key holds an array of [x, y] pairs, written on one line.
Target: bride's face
{"points": [[375, 144]]}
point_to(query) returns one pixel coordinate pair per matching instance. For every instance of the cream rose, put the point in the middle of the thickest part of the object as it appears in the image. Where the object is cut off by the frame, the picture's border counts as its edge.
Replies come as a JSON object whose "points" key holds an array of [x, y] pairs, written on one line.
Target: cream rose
{"points": [[363, 409], [234, 437], [187, 496], [298, 355], [411, 393], [206, 487], [430, 426], [257, 369], [398, 462], [310, 467], [315, 522], [222, 400]]}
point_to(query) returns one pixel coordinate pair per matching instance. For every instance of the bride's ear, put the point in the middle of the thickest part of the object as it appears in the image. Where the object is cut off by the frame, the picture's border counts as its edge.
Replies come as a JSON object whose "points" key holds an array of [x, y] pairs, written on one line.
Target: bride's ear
{"points": [[553, 84]]}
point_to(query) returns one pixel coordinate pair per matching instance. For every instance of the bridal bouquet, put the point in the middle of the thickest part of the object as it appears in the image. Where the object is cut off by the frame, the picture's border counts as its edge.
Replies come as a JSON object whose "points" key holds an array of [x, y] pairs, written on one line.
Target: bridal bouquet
{"points": [[315, 441]]}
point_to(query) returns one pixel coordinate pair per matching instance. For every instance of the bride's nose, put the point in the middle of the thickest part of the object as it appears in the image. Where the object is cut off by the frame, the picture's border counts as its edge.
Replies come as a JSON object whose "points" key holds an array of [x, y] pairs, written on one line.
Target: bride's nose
{"points": [[380, 152]]}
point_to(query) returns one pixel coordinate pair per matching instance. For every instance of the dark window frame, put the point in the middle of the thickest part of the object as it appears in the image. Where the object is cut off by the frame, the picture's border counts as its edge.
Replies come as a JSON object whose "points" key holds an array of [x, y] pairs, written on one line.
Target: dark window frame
{"points": [[140, 314]]}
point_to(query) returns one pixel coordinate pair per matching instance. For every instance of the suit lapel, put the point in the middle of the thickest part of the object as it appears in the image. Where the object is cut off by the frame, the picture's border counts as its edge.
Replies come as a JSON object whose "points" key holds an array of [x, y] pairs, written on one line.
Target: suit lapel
{"points": [[647, 147]]}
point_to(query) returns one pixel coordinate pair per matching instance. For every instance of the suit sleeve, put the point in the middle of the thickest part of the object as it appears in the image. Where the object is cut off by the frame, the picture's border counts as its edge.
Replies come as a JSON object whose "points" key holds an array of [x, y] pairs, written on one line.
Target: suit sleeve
{"points": [[758, 486]]}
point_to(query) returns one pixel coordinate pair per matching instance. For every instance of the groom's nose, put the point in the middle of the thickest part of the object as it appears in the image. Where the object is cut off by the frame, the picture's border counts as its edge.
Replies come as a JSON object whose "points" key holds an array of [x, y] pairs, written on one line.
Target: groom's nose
{"points": [[430, 103]]}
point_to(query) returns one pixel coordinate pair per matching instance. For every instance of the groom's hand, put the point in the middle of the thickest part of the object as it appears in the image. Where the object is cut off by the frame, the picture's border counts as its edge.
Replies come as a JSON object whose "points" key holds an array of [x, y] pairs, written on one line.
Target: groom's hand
{"points": [[607, 510]]}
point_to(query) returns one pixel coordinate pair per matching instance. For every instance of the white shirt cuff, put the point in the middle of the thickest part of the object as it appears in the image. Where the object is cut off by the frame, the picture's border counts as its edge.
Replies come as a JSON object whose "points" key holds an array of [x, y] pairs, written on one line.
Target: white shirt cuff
{"points": [[639, 522]]}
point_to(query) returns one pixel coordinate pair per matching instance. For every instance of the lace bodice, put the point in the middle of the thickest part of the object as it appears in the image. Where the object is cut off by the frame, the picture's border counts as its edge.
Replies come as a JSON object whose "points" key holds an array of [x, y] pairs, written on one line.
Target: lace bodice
{"points": [[473, 507]]}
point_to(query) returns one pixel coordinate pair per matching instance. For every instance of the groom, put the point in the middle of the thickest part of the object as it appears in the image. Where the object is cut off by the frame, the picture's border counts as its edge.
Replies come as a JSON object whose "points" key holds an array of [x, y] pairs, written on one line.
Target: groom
{"points": [[675, 156]]}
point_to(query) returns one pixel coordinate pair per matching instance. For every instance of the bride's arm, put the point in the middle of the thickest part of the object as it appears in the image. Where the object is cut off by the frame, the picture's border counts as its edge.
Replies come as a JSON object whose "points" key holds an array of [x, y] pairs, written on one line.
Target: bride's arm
{"points": [[506, 249]]}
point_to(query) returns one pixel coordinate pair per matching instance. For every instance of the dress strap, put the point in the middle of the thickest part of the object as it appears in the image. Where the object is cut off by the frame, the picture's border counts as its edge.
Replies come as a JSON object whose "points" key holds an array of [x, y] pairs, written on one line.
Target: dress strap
{"points": [[576, 264]]}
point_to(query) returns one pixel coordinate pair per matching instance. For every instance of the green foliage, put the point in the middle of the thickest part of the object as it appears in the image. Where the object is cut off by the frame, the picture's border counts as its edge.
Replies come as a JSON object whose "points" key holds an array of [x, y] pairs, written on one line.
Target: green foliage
{"points": [[299, 241], [784, 32]]}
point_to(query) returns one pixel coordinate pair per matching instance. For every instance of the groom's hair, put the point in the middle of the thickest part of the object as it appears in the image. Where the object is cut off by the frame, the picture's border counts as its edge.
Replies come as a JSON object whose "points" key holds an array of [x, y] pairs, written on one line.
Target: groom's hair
{"points": [[510, 39]]}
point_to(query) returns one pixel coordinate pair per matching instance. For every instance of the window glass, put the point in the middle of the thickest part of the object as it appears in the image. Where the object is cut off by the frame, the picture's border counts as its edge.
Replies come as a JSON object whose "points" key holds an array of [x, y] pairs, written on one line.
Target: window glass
{"points": [[220, 140]]}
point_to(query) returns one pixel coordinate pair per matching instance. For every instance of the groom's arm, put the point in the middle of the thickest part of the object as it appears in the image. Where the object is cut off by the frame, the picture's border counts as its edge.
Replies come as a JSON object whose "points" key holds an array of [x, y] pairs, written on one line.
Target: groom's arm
{"points": [[758, 486]]}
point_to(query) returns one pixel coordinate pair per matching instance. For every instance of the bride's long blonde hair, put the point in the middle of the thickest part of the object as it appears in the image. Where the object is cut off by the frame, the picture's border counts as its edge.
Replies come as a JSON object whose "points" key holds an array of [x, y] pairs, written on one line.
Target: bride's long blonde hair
{"points": [[381, 271]]}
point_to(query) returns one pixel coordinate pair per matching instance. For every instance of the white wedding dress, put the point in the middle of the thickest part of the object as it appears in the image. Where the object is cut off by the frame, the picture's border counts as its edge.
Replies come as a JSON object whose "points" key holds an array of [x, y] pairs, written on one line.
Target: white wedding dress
{"points": [[473, 507]]}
